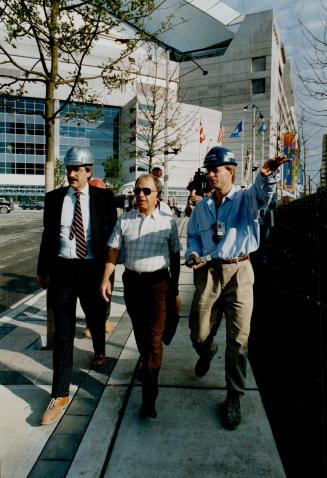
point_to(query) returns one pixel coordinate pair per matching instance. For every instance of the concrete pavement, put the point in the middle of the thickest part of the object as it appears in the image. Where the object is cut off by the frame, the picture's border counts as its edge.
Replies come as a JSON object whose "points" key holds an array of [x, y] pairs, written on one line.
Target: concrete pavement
{"points": [[101, 434]]}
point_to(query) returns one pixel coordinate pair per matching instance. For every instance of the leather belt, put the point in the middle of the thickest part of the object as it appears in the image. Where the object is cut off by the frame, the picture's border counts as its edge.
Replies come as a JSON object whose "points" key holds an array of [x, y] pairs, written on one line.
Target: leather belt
{"points": [[233, 260], [155, 276]]}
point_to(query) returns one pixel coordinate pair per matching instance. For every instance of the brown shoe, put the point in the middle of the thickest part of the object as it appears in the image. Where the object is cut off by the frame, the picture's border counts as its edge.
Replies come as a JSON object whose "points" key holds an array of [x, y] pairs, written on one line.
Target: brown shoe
{"points": [[87, 333], [100, 361], [55, 410], [108, 327]]}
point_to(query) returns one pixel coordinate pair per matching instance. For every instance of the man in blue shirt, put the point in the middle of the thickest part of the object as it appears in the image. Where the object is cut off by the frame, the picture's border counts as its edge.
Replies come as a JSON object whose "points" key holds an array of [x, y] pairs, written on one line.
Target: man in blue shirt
{"points": [[225, 227]]}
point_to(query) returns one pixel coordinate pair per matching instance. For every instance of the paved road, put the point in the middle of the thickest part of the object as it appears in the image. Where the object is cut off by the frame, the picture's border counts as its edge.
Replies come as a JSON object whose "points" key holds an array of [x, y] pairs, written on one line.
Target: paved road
{"points": [[20, 234]]}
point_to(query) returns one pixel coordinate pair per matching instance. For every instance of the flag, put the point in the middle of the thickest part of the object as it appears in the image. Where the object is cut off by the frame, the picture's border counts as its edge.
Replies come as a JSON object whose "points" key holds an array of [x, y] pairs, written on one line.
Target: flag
{"points": [[262, 126], [238, 129], [289, 145], [221, 132], [202, 135]]}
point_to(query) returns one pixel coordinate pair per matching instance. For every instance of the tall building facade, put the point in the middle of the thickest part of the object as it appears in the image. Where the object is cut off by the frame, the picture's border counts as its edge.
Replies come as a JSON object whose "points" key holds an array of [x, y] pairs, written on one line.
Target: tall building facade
{"points": [[235, 72], [22, 141], [249, 80]]}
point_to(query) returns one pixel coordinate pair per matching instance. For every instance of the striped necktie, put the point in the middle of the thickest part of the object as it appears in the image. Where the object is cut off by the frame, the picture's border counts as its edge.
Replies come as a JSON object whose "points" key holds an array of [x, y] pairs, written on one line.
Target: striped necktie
{"points": [[77, 229]]}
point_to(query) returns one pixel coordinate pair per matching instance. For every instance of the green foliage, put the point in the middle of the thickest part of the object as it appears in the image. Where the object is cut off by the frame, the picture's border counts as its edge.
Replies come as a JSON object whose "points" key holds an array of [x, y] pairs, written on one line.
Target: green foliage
{"points": [[59, 173], [112, 168]]}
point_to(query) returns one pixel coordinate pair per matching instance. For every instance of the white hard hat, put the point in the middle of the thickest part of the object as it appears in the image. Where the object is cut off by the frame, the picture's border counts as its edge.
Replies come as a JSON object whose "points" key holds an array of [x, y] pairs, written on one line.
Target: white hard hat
{"points": [[78, 156]]}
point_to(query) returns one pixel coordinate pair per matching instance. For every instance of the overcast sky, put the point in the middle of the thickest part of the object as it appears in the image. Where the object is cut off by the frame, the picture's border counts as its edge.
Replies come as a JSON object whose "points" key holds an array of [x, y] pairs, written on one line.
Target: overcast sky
{"points": [[287, 13]]}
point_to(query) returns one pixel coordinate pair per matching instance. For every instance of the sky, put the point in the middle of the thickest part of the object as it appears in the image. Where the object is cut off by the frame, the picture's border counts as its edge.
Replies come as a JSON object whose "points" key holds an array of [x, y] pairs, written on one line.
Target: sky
{"points": [[288, 13]]}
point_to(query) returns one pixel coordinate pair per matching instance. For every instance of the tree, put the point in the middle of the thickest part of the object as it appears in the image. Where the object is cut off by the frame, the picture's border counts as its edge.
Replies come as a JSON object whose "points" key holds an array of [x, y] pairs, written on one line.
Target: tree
{"points": [[63, 35], [156, 123], [112, 169], [313, 72], [59, 173]]}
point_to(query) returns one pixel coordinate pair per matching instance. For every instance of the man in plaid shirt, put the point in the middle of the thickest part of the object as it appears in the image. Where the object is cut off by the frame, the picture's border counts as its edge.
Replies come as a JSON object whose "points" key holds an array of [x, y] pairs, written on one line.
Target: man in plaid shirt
{"points": [[149, 237]]}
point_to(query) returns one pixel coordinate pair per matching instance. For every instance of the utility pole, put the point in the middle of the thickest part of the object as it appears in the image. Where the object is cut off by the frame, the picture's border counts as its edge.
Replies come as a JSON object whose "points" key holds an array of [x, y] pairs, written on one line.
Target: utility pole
{"points": [[166, 165]]}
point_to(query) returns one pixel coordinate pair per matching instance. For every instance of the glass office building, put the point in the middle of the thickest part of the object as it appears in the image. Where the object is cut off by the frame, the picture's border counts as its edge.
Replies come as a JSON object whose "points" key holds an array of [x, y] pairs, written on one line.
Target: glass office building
{"points": [[22, 136], [93, 126], [22, 140]]}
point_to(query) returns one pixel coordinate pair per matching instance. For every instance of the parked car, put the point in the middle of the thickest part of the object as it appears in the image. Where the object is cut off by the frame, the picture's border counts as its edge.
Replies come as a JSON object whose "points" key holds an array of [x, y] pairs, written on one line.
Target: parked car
{"points": [[6, 206], [32, 205]]}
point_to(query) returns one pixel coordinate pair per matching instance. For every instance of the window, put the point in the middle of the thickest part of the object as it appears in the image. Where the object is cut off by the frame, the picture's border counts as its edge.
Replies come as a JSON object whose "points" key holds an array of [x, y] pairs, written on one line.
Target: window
{"points": [[258, 86], [259, 63], [143, 122], [39, 130], [145, 107]]}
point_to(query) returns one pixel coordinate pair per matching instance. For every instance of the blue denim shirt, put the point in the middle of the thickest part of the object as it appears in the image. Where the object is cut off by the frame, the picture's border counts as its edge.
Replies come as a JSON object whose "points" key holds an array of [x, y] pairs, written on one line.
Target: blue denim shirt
{"points": [[239, 212]]}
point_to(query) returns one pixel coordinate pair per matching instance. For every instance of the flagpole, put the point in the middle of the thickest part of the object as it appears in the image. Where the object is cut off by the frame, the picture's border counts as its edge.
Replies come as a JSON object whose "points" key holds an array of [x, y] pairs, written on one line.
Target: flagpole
{"points": [[253, 143], [263, 147], [166, 164], [242, 153], [200, 143]]}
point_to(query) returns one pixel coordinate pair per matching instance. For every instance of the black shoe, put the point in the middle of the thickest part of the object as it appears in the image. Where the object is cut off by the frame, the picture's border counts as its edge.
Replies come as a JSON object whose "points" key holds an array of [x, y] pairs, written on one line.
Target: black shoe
{"points": [[232, 411], [203, 364], [99, 362], [148, 410], [140, 374]]}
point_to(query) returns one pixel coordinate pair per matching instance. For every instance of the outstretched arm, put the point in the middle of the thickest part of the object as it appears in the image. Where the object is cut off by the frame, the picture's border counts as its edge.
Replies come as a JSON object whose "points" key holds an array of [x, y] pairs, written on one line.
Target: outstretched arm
{"points": [[271, 165]]}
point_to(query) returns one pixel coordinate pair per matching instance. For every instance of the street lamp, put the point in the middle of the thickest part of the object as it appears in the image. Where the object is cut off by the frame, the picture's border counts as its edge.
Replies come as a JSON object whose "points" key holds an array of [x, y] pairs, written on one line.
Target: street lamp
{"points": [[204, 72], [175, 150], [255, 108], [166, 152]]}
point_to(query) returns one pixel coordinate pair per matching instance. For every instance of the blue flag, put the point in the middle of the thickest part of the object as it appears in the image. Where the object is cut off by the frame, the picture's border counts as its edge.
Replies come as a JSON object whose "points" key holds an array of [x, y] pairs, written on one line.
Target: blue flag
{"points": [[238, 129], [262, 127]]}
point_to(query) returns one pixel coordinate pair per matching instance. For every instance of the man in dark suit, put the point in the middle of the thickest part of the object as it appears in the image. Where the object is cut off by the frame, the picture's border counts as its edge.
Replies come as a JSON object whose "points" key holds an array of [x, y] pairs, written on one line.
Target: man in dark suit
{"points": [[78, 221]]}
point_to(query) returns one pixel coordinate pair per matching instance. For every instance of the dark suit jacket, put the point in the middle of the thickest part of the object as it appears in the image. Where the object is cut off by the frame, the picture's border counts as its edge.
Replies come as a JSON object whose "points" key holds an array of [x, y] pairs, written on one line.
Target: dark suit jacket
{"points": [[103, 215]]}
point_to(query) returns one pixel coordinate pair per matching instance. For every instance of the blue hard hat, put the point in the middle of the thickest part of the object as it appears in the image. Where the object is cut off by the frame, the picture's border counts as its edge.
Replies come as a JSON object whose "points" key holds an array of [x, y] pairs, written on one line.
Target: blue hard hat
{"points": [[78, 156], [219, 156]]}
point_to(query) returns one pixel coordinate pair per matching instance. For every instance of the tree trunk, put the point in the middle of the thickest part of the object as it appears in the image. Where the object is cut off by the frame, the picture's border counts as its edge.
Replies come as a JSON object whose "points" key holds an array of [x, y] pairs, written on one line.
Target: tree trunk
{"points": [[50, 99], [50, 144]]}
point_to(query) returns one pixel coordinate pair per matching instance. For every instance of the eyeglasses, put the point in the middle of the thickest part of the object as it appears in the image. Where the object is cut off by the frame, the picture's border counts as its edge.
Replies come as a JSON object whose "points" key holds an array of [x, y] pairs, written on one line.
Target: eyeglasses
{"points": [[146, 191]]}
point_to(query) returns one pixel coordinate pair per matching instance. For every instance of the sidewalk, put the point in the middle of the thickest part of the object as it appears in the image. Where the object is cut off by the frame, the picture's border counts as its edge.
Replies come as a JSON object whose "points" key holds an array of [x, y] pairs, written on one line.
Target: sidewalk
{"points": [[101, 434]]}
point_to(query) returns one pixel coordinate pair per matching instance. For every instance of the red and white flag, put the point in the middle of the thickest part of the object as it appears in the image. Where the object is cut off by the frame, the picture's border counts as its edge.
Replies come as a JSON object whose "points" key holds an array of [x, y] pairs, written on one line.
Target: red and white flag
{"points": [[202, 135], [221, 132]]}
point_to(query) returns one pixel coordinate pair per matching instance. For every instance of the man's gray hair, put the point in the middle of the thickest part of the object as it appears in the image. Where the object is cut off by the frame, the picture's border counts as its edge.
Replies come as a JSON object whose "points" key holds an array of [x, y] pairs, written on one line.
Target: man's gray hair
{"points": [[156, 181]]}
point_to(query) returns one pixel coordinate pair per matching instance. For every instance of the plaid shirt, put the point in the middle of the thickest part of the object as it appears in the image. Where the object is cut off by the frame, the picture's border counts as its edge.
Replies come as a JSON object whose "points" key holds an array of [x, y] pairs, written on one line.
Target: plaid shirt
{"points": [[147, 240]]}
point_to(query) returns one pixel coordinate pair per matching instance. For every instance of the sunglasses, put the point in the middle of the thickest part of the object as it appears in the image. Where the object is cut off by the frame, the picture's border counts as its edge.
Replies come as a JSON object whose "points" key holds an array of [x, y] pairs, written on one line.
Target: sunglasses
{"points": [[146, 191]]}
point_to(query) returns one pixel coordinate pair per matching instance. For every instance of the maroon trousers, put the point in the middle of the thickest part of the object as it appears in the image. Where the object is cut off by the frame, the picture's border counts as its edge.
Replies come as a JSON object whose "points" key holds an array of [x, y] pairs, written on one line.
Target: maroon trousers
{"points": [[146, 298]]}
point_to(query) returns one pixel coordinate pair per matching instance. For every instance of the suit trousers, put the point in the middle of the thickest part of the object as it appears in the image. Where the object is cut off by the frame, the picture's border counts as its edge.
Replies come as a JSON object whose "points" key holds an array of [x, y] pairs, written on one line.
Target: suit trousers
{"points": [[146, 298], [226, 288], [71, 279]]}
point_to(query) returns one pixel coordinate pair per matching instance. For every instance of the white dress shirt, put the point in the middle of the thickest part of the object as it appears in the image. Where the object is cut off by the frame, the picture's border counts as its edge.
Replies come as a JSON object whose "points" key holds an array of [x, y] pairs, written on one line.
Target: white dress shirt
{"points": [[147, 241], [68, 246]]}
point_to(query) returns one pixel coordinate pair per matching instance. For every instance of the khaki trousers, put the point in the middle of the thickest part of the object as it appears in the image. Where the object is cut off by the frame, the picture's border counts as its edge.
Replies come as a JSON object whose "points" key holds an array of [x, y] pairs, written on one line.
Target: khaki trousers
{"points": [[226, 287]]}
